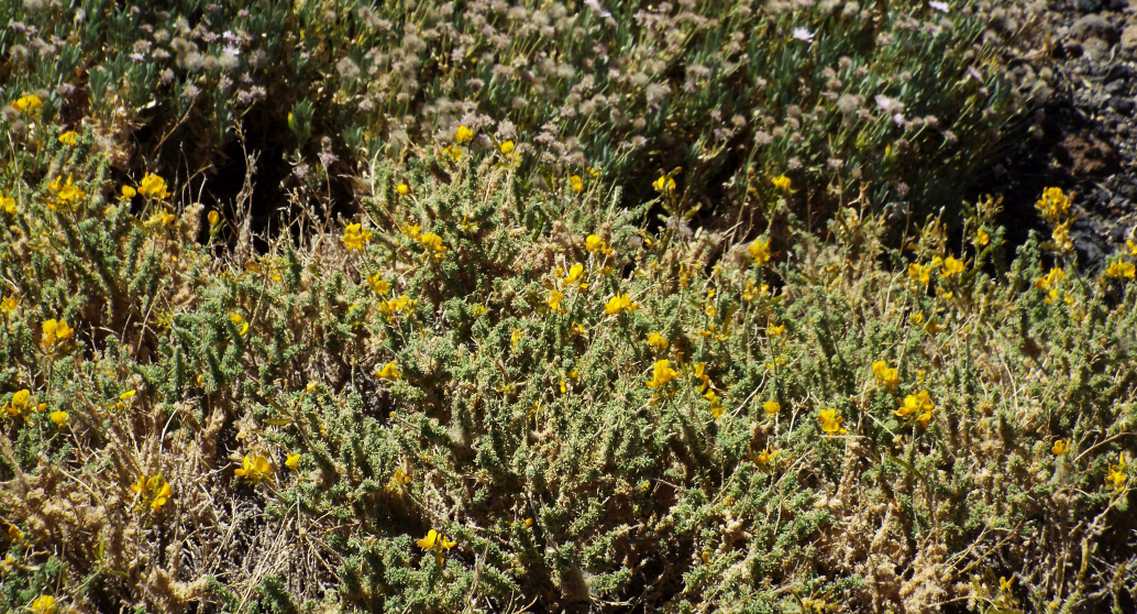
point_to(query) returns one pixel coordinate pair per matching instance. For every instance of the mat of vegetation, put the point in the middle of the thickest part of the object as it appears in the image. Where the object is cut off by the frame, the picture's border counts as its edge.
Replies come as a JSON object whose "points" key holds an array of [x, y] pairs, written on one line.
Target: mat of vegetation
{"points": [[484, 307]]}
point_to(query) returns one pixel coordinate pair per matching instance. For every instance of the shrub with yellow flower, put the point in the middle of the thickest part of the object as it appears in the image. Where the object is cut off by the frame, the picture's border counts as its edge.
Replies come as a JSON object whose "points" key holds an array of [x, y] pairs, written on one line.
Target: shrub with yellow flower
{"points": [[782, 183], [576, 183], [153, 186], [355, 237], [1120, 269], [28, 104], [433, 243], [831, 421], [554, 299], [595, 244], [152, 491], [661, 374], [918, 407], [69, 138], [886, 377], [620, 303], [771, 407], [463, 134], [437, 543], [44, 604], [54, 333], [759, 250], [239, 322], [292, 461], [1053, 205], [254, 468], [19, 404], [1118, 475], [1060, 447], [657, 342], [389, 371], [664, 184]]}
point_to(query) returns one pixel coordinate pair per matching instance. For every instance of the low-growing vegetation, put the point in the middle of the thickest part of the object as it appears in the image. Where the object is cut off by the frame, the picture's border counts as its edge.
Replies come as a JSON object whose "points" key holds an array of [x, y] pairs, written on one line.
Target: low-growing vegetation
{"points": [[719, 343]]}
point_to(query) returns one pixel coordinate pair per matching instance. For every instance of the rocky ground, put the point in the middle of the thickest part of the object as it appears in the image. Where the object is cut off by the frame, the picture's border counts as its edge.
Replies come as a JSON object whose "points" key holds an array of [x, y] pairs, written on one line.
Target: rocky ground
{"points": [[1084, 135]]}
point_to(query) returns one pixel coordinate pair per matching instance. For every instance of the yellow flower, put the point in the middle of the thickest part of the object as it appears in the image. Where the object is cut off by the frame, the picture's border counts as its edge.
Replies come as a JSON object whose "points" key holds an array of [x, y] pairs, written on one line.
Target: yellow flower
{"points": [[917, 406], [254, 468], [21, 402], [771, 407], [886, 377], [453, 151], [402, 189], [394, 306], [554, 301], [239, 321], [620, 303], [1050, 280], [44, 604], [767, 457], [69, 138], [436, 542], [574, 273], [952, 267], [398, 481], [716, 408], [153, 186], [665, 184], [28, 104], [920, 273], [783, 183], [1120, 269], [576, 182], [759, 250], [8, 204], [506, 147], [515, 338], [1053, 204], [661, 373], [127, 193], [775, 330], [9, 305], [54, 332], [66, 192], [596, 245], [292, 461], [1117, 475], [830, 420], [378, 285], [389, 371], [656, 341], [981, 238], [463, 134], [1061, 237], [432, 242], [152, 490], [355, 237], [213, 217], [1060, 447], [160, 218], [1131, 247], [59, 418]]}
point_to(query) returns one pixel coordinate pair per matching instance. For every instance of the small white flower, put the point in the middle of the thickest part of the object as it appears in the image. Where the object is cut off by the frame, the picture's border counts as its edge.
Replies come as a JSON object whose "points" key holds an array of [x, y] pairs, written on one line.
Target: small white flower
{"points": [[803, 34], [939, 6], [595, 6]]}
